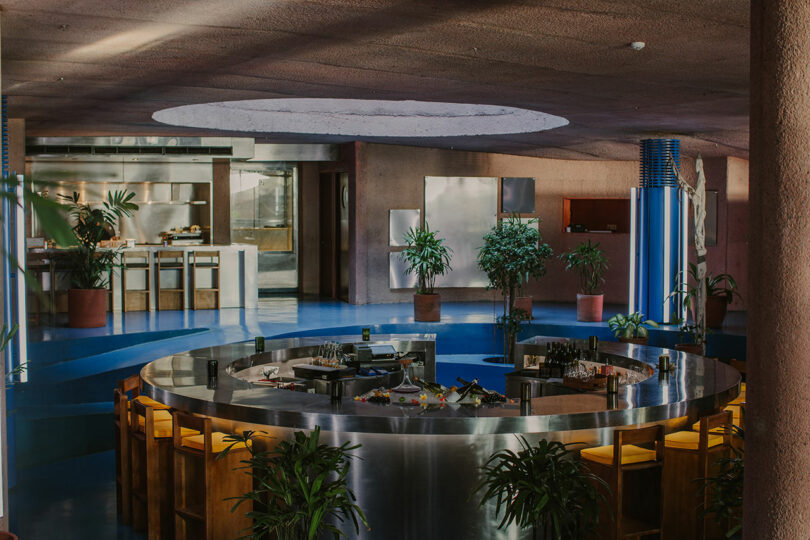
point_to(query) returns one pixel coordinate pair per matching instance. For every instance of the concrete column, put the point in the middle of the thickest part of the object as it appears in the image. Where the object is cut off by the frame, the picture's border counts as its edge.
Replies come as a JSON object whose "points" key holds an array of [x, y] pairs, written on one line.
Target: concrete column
{"points": [[221, 202], [777, 477]]}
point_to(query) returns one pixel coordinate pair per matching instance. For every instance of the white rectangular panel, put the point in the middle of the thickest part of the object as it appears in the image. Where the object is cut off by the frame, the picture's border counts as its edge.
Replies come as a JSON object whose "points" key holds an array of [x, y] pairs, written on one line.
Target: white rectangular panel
{"points": [[400, 222], [397, 278], [462, 210]]}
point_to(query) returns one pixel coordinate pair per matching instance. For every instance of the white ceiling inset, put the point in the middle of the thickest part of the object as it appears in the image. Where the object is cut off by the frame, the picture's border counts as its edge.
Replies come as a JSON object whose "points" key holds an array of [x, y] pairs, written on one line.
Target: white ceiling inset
{"points": [[359, 117]]}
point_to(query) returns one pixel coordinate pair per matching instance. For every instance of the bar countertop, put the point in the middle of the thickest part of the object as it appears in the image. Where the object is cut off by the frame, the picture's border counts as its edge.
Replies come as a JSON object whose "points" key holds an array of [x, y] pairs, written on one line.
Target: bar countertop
{"points": [[698, 386]]}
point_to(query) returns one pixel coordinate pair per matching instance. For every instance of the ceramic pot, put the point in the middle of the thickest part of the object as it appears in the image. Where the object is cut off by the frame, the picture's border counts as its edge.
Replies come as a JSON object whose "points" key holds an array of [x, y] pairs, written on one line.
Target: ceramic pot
{"points": [[716, 308], [589, 307], [87, 308], [524, 303], [689, 348], [427, 307], [7, 536], [635, 340]]}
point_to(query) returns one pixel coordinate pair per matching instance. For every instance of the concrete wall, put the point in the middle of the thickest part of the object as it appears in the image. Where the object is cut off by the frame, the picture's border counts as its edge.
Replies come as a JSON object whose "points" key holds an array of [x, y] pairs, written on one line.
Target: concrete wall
{"points": [[308, 228], [393, 177], [390, 177]]}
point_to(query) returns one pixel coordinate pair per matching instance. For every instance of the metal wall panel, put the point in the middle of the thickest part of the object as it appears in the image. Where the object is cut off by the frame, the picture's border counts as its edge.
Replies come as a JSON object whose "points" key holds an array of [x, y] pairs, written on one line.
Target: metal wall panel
{"points": [[397, 278], [462, 210], [400, 222]]}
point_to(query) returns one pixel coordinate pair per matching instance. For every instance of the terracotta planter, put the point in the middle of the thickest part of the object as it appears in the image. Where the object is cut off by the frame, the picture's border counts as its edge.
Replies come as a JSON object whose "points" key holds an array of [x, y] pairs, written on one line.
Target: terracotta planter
{"points": [[689, 348], [589, 307], [716, 308], [635, 340], [87, 308], [427, 307], [524, 303], [7, 536]]}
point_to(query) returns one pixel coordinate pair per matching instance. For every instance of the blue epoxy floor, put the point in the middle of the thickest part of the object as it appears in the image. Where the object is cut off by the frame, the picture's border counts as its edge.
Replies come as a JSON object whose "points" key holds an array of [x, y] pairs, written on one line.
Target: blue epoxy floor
{"points": [[64, 477]]}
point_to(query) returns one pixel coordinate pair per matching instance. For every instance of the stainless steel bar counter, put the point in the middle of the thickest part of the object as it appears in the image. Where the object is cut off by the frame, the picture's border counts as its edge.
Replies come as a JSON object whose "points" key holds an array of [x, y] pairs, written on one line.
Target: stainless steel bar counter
{"points": [[418, 465]]}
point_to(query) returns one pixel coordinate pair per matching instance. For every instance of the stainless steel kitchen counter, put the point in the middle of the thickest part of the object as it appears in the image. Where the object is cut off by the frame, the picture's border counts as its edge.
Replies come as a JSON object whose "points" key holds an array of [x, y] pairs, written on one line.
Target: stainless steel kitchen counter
{"points": [[698, 385], [416, 469]]}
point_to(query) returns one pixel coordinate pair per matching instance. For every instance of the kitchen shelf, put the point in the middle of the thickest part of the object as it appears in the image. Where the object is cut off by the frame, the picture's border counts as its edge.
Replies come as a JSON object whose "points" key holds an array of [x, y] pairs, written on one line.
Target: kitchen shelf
{"points": [[602, 215]]}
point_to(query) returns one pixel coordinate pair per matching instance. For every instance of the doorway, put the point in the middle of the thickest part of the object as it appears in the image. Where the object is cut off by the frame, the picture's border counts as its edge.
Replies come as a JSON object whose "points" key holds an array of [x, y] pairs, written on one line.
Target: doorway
{"points": [[334, 234]]}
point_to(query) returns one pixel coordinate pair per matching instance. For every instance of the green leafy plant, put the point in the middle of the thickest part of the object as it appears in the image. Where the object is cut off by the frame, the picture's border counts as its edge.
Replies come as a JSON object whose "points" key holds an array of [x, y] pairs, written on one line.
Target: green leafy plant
{"points": [[513, 251], [91, 266], [590, 263], [427, 256], [721, 285], [299, 488], [630, 326], [726, 488], [543, 487], [691, 334]]}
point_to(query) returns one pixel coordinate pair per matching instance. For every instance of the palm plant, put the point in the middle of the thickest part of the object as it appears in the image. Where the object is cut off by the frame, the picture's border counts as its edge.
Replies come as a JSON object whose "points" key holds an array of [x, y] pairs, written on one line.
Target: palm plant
{"points": [[590, 263], [91, 266], [543, 487], [427, 256], [513, 251], [721, 286], [301, 488], [631, 326]]}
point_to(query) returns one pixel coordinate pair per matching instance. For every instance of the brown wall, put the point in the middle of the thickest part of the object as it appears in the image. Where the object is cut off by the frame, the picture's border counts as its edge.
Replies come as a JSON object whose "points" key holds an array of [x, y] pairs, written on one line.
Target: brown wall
{"points": [[393, 177], [221, 201], [390, 177], [308, 228]]}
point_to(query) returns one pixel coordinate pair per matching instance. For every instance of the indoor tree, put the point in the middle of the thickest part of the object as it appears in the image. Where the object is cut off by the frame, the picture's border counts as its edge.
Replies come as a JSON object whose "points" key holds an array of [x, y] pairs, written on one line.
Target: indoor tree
{"points": [[513, 252]]}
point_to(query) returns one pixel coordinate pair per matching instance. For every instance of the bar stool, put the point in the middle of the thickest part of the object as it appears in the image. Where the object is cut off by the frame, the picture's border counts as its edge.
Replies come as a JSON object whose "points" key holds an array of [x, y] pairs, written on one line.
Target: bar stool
{"points": [[689, 457], [633, 474], [174, 297], [204, 481], [209, 297], [38, 264], [128, 389], [136, 299]]}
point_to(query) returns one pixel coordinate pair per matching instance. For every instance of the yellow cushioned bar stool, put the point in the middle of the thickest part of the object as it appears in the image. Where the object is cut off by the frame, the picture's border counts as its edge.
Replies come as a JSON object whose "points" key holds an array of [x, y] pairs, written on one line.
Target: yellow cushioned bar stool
{"points": [[128, 389], [689, 458], [633, 473], [205, 480], [152, 493]]}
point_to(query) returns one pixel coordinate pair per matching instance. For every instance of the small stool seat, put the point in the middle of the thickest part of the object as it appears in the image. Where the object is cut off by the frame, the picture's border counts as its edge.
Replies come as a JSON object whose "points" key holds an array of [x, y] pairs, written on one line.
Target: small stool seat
{"points": [[151, 403], [690, 440], [630, 454], [736, 412], [163, 428], [218, 442]]}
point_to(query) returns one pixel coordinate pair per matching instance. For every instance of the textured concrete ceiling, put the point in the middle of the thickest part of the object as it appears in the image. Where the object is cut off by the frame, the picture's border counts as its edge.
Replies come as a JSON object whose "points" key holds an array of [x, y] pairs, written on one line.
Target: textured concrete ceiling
{"points": [[97, 67]]}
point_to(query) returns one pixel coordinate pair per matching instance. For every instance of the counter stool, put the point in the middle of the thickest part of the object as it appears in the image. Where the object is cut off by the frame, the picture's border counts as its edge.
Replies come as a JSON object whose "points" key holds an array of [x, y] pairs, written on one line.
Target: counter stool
{"points": [[136, 299], [174, 297], [633, 474], [690, 457], [38, 264], [209, 297], [204, 481], [151, 455]]}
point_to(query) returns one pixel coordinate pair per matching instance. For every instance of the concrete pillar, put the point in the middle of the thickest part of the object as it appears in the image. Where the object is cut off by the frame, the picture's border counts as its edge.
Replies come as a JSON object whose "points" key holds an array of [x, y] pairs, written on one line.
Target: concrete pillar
{"points": [[221, 202], [777, 476]]}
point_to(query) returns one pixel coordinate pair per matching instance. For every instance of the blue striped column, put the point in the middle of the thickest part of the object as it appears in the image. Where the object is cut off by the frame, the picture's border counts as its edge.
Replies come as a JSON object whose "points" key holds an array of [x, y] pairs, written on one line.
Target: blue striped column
{"points": [[658, 239]]}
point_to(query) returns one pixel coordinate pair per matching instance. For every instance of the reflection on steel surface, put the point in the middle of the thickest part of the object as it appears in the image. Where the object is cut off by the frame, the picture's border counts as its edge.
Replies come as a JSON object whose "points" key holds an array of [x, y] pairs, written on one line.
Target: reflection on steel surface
{"points": [[462, 210], [397, 278], [399, 222]]}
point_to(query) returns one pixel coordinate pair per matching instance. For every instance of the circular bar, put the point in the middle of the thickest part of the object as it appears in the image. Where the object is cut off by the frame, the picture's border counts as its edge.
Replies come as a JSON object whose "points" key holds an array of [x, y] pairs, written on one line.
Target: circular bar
{"points": [[419, 465]]}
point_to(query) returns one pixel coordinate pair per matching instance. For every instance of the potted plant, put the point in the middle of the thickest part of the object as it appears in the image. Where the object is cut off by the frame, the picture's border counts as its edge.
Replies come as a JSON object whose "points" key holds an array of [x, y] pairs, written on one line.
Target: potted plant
{"points": [[543, 487], [692, 340], [720, 292], [87, 298], [513, 251], [726, 489], [300, 487], [631, 328], [428, 257], [590, 263]]}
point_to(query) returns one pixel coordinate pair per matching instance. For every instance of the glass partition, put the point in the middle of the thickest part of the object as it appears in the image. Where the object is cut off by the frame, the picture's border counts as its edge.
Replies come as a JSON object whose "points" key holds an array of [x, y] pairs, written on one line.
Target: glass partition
{"points": [[264, 212]]}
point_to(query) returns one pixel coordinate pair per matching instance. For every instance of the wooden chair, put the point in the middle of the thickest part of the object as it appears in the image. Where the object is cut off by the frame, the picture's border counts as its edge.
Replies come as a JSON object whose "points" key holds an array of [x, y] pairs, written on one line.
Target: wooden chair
{"points": [[690, 457], [172, 297], [209, 297], [136, 299], [633, 474], [151, 454], [204, 481]]}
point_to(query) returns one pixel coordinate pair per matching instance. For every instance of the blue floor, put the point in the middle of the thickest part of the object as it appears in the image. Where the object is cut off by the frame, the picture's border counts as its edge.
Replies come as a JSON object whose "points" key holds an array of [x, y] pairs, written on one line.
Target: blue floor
{"points": [[60, 421]]}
